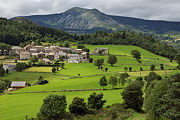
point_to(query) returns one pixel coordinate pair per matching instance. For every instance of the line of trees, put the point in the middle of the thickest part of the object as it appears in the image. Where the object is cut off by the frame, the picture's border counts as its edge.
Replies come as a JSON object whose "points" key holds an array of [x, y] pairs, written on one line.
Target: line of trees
{"points": [[54, 106], [113, 80]]}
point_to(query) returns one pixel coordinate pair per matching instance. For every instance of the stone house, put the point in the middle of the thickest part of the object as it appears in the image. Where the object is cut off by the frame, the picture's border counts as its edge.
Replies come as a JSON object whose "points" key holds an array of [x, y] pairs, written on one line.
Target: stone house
{"points": [[74, 58], [105, 51], [25, 55], [9, 66]]}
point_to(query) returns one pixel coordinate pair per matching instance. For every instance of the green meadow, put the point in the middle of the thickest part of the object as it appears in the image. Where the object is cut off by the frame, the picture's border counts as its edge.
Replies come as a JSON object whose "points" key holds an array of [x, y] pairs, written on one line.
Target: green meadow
{"points": [[124, 50], [77, 78], [17, 106]]}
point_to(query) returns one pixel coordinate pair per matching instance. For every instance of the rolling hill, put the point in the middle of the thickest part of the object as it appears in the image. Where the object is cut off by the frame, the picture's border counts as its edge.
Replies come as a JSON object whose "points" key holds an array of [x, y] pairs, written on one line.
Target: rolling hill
{"points": [[27, 101], [89, 20]]}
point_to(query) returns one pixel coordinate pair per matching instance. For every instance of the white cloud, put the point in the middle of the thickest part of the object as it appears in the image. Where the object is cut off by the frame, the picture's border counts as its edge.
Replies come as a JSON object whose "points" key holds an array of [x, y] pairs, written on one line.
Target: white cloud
{"points": [[146, 9]]}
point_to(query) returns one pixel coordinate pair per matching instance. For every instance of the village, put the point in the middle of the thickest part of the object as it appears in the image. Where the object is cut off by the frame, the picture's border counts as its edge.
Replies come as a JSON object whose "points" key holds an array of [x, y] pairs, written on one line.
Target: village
{"points": [[47, 54], [50, 53]]}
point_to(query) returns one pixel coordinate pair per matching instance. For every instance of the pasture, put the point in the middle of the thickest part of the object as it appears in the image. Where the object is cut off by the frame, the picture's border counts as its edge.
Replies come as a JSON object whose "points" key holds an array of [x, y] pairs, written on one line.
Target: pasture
{"points": [[17, 106], [27, 101], [124, 50]]}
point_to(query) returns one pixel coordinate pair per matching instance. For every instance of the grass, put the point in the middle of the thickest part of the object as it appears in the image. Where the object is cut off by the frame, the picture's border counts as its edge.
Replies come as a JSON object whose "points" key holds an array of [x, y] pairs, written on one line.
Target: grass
{"points": [[38, 69], [30, 103], [125, 50], [32, 77], [84, 69], [69, 84], [137, 116], [145, 73], [17, 106]]}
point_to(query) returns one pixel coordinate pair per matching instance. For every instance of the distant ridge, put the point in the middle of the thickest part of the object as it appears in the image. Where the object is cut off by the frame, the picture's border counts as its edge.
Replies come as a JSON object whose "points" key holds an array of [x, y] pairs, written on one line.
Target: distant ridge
{"points": [[83, 20]]}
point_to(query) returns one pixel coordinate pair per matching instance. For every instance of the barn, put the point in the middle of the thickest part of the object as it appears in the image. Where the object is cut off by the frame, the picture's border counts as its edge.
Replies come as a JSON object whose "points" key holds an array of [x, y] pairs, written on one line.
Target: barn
{"points": [[15, 85]]}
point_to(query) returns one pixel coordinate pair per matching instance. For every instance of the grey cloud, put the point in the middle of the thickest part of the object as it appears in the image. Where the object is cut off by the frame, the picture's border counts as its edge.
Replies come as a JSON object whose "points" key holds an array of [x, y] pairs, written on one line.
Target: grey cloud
{"points": [[146, 9]]}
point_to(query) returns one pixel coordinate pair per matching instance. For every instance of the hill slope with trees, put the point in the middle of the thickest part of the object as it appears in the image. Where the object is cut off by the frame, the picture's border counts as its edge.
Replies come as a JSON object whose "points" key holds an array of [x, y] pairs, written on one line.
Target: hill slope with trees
{"points": [[21, 30], [14, 32]]}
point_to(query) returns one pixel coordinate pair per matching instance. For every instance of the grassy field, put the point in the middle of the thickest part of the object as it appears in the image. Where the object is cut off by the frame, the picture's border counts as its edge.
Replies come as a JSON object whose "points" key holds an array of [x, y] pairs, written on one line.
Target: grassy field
{"points": [[69, 84], [125, 50], [17, 106], [32, 77], [84, 69], [27, 101]]}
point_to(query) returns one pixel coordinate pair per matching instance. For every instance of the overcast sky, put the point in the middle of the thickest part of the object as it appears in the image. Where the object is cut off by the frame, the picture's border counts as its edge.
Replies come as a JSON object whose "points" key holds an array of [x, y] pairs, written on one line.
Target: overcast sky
{"points": [[168, 10]]}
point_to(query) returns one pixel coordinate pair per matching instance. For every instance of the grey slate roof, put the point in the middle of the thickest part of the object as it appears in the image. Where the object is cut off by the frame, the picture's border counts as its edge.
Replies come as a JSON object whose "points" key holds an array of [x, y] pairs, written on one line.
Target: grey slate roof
{"points": [[18, 84]]}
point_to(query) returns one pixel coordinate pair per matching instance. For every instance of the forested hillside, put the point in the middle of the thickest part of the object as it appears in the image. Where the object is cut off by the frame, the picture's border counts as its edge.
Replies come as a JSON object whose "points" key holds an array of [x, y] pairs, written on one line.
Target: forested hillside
{"points": [[14, 32], [21, 30]]}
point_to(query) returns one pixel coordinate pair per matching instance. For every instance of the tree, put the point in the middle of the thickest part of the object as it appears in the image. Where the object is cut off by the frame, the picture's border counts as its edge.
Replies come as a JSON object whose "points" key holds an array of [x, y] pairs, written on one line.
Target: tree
{"points": [[2, 71], [162, 98], [66, 44], [122, 78], [79, 46], [86, 50], [130, 69], [152, 67], [113, 81], [53, 69], [95, 101], [162, 66], [112, 59], [34, 59], [170, 107], [54, 106], [29, 64], [99, 63], [61, 58], [139, 60], [106, 69], [21, 66], [2, 86], [1, 65], [152, 76], [41, 62], [90, 60], [78, 106], [103, 82], [125, 69], [140, 80], [177, 58], [136, 54], [4, 48], [100, 52], [62, 65], [132, 96], [40, 78], [7, 71]]}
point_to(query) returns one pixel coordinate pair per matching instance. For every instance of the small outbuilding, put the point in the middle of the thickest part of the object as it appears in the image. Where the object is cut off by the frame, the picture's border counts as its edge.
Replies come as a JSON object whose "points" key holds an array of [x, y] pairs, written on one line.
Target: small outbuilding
{"points": [[9, 66], [15, 85]]}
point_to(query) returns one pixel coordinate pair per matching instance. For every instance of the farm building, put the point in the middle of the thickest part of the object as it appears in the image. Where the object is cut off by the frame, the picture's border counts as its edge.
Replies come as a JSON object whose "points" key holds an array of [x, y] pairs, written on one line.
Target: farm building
{"points": [[10, 67], [25, 55], [74, 58], [15, 85], [101, 51]]}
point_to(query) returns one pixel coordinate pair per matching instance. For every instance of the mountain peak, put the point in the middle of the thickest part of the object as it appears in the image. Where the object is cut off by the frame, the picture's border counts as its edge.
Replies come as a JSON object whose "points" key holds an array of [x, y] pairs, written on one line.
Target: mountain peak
{"points": [[89, 20]]}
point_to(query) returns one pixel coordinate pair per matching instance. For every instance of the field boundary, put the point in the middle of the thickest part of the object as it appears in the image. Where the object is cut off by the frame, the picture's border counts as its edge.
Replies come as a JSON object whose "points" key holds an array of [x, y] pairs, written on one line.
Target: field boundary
{"points": [[66, 91]]}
